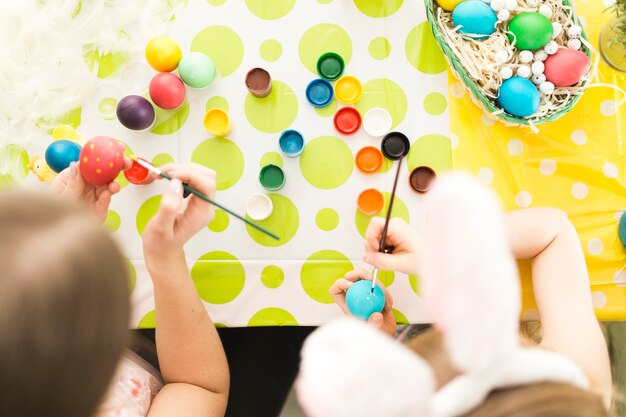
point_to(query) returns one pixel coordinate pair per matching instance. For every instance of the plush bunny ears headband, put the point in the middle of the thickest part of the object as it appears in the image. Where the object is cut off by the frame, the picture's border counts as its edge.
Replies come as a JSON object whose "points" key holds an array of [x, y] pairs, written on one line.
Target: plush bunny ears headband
{"points": [[471, 289]]}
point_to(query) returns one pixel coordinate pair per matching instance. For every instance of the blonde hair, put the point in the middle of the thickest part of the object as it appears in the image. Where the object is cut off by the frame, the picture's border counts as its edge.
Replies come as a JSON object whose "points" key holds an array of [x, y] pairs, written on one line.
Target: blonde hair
{"points": [[545, 399], [64, 308]]}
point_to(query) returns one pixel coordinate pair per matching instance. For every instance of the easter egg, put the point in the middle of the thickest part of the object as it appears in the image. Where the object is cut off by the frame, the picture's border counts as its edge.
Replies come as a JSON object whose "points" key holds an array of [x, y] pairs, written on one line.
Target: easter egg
{"points": [[530, 30], [566, 67], [163, 54], [101, 160], [135, 113], [449, 5], [476, 19], [196, 70], [61, 153], [362, 302], [137, 174], [621, 230], [519, 97], [167, 91]]}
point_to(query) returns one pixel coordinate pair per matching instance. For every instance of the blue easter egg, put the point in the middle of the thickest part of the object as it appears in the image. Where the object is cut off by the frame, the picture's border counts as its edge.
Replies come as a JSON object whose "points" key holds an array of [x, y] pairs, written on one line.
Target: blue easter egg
{"points": [[621, 230], [477, 19], [362, 302], [61, 153], [519, 97]]}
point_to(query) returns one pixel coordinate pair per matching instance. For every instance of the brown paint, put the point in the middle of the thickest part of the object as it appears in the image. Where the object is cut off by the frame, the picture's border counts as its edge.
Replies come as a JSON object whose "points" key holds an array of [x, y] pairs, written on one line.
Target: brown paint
{"points": [[259, 82], [421, 179]]}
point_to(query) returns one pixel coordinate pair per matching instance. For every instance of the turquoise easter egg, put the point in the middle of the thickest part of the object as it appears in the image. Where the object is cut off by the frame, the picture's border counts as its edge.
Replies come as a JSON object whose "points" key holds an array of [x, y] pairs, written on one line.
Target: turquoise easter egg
{"points": [[531, 30], [476, 19], [621, 230], [196, 69], [61, 153], [519, 97], [362, 302]]}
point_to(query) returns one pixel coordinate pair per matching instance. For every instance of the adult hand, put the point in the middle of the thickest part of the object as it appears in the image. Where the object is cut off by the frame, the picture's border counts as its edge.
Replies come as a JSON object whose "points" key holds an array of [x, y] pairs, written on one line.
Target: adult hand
{"points": [[401, 236]]}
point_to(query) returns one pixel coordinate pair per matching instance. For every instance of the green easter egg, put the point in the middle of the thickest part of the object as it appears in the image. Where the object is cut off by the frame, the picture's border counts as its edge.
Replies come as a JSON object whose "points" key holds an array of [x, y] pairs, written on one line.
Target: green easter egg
{"points": [[196, 70], [531, 29], [621, 231]]}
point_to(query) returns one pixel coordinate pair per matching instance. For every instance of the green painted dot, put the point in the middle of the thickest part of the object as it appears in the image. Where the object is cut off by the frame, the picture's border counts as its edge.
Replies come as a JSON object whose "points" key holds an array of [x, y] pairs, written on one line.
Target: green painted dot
{"points": [[431, 150], [271, 50], [72, 118], [162, 159], [217, 102], [147, 210], [270, 9], [423, 52], [219, 277], [224, 157], [148, 321], [273, 158], [220, 222], [384, 93], [329, 110], [400, 318], [223, 45], [275, 112], [283, 221], [414, 280], [272, 276], [379, 48], [121, 179], [387, 164], [323, 38], [113, 221], [399, 210], [324, 1], [326, 162], [435, 103], [108, 64], [320, 271], [132, 275], [327, 219], [216, 3], [108, 106], [272, 316], [386, 277], [13, 166], [378, 8], [170, 121]]}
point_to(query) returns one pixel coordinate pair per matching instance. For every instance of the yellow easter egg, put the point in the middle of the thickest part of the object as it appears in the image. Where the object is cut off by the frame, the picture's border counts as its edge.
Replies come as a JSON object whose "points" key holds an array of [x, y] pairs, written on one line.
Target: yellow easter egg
{"points": [[163, 54], [66, 132], [449, 5]]}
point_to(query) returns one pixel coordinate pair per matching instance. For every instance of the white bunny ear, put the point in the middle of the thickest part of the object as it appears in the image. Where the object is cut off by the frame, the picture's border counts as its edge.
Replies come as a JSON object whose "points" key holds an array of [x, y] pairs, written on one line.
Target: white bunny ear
{"points": [[468, 275], [351, 370]]}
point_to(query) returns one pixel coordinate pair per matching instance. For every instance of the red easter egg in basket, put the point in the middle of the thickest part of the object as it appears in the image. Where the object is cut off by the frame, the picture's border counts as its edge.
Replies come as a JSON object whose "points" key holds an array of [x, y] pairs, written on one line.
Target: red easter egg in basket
{"points": [[101, 160], [566, 67]]}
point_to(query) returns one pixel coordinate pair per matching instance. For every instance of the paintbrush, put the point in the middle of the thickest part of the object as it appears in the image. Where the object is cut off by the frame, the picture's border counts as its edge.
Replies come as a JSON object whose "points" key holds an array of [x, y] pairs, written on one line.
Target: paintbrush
{"points": [[382, 247], [200, 195]]}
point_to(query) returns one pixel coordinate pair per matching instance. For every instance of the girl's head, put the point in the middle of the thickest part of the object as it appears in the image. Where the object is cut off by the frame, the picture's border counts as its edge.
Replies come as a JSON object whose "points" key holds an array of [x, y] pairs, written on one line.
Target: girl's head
{"points": [[64, 307]]}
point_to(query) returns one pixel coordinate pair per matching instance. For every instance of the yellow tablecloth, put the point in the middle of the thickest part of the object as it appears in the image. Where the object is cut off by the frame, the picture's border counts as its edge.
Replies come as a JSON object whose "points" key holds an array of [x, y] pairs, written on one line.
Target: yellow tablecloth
{"points": [[576, 164]]}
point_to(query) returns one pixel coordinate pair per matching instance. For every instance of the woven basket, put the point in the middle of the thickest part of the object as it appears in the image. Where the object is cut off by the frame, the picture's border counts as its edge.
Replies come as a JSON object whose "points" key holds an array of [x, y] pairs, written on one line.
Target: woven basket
{"points": [[477, 96]]}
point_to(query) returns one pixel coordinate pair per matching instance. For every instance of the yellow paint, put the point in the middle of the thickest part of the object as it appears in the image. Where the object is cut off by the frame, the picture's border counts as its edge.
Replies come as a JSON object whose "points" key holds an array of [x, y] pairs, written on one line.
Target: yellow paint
{"points": [[217, 122], [348, 89]]}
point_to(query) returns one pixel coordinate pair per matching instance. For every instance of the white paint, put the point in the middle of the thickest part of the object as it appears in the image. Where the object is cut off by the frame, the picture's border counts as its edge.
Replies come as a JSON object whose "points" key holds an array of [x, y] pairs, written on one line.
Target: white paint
{"points": [[377, 122]]}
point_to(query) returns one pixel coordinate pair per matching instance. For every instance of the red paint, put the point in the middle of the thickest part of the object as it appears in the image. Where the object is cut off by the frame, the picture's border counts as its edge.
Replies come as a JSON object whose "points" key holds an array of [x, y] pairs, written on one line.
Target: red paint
{"points": [[347, 120], [137, 174]]}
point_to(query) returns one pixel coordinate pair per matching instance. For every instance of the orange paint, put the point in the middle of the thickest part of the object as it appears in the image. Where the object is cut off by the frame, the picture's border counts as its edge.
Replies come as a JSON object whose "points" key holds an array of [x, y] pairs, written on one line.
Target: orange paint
{"points": [[370, 202], [369, 160]]}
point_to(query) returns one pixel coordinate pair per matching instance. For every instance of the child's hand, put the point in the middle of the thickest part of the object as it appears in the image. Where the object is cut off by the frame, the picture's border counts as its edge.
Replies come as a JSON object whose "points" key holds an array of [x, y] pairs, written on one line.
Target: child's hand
{"points": [[70, 184], [399, 234], [384, 321], [179, 219]]}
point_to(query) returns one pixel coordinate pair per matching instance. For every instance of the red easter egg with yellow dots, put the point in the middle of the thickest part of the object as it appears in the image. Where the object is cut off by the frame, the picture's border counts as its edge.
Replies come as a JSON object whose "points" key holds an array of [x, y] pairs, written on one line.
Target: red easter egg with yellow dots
{"points": [[101, 160]]}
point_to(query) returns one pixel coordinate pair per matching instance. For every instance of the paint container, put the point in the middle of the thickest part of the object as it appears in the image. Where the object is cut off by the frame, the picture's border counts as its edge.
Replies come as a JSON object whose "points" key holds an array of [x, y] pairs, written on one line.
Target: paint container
{"points": [[347, 120], [330, 66], [272, 177], [319, 93], [377, 122], [196, 70], [259, 206], [136, 113], [167, 91], [259, 82], [395, 145], [291, 143], [138, 174], [369, 160], [135, 78], [217, 122], [105, 99], [370, 202], [421, 179], [348, 89]]}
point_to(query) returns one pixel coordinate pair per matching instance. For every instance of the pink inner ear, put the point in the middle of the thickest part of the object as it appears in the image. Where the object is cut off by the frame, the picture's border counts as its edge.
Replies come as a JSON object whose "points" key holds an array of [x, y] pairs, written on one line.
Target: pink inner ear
{"points": [[311, 407]]}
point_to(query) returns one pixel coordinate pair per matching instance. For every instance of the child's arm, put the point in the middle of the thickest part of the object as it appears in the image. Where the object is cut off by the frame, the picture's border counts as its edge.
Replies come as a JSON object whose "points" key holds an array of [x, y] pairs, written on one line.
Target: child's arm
{"points": [[191, 356], [561, 288]]}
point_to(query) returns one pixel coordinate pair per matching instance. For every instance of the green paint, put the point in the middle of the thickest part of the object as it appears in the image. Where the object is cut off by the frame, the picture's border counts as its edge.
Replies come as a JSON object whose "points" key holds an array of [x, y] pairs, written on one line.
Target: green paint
{"points": [[379, 48], [330, 66], [320, 271], [399, 210], [223, 45], [327, 162], [382, 92], [327, 219], [275, 112], [272, 177], [423, 52], [113, 221], [170, 121], [272, 316], [432, 150], [271, 50], [323, 38], [283, 221], [218, 276], [272, 276], [378, 8], [435, 103], [273, 158], [224, 157], [220, 222]]}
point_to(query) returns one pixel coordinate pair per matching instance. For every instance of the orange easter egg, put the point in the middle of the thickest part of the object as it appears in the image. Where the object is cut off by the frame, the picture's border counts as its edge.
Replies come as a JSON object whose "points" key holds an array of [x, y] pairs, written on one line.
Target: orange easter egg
{"points": [[101, 160]]}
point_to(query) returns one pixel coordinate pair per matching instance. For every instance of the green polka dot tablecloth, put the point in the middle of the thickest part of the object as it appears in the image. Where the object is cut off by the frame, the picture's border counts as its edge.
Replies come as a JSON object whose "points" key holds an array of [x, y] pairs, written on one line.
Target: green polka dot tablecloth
{"points": [[244, 277]]}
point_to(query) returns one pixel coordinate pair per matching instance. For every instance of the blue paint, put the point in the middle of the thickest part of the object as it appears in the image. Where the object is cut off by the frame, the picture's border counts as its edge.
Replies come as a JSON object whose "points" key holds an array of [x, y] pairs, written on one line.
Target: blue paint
{"points": [[621, 230], [362, 302], [61, 153], [319, 93], [291, 143]]}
